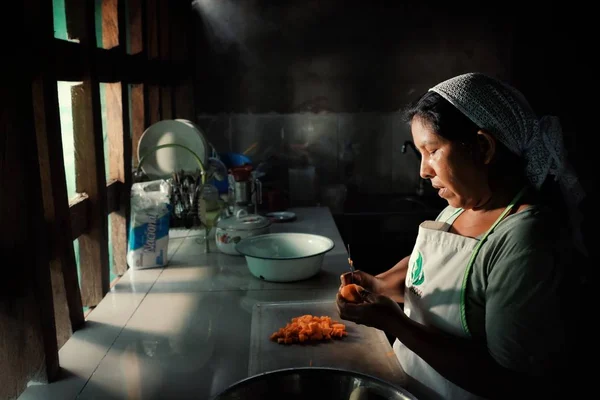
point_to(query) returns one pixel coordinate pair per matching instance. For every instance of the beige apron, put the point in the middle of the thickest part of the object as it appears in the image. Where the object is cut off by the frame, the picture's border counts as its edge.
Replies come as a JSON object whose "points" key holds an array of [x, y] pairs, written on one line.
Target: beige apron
{"points": [[438, 273]]}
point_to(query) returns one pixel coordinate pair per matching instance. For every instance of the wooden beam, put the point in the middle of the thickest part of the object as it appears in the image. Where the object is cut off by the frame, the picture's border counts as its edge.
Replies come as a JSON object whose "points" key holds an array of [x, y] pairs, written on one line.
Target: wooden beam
{"points": [[70, 60], [62, 258], [115, 193], [184, 100], [152, 90], [151, 28], [134, 31], [68, 311], [67, 297], [80, 208], [166, 102], [76, 29], [117, 128], [138, 119], [183, 91], [152, 104], [28, 347], [164, 50], [118, 219], [89, 165], [164, 30], [126, 168], [79, 211], [110, 23], [91, 179], [178, 35]]}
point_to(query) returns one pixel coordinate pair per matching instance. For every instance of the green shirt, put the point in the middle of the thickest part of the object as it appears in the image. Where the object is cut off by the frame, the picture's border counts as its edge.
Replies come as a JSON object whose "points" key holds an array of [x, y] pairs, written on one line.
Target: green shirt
{"points": [[514, 294]]}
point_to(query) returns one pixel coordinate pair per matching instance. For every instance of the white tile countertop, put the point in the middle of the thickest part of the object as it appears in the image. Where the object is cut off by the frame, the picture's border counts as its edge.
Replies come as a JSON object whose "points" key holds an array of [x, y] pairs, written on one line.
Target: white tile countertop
{"points": [[182, 331]]}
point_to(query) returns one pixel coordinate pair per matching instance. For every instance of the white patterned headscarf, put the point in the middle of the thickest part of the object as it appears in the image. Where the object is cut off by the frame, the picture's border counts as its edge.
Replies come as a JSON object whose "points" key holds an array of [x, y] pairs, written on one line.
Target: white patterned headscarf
{"points": [[504, 112]]}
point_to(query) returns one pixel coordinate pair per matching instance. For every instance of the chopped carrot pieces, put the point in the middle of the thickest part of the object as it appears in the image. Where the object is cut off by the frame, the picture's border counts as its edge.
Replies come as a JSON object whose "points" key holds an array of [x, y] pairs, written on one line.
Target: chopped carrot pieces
{"points": [[309, 328]]}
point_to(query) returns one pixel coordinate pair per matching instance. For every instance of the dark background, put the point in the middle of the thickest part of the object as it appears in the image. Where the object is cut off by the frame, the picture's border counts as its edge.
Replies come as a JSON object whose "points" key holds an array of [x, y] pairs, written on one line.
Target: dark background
{"points": [[352, 66]]}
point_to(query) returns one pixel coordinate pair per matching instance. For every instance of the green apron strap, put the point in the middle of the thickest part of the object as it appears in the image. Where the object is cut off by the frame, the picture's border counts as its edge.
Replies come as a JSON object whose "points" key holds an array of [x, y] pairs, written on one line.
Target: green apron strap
{"points": [[454, 215], [463, 318]]}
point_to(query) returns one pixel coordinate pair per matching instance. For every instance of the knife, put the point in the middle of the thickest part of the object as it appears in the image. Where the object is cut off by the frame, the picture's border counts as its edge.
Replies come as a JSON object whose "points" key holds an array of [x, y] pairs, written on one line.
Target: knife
{"points": [[351, 263]]}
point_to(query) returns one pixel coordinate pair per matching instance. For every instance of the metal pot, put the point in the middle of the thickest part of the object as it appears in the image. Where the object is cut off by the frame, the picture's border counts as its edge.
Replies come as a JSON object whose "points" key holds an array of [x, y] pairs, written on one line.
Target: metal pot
{"points": [[314, 383], [229, 231]]}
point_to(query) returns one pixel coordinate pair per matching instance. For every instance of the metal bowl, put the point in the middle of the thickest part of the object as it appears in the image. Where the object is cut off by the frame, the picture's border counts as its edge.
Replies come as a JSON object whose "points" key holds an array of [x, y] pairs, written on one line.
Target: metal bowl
{"points": [[313, 383]]}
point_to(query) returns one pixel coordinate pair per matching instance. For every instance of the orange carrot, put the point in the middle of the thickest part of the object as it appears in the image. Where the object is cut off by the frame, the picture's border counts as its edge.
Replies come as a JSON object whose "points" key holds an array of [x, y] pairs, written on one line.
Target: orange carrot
{"points": [[309, 328], [351, 293]]}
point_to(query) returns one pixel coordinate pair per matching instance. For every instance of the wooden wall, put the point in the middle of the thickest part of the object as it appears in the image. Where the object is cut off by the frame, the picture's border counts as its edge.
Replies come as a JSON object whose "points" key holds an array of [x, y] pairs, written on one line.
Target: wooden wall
{"points": [[142, 59]]}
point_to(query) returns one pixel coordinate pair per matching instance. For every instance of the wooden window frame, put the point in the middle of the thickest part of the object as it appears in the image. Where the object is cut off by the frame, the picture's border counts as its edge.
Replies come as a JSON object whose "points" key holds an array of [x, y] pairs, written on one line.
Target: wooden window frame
{"points": [[150, 81]]}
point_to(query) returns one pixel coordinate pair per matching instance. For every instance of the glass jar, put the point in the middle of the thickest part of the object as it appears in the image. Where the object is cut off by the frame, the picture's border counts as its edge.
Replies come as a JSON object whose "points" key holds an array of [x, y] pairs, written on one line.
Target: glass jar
{"points": [[210, 194]]}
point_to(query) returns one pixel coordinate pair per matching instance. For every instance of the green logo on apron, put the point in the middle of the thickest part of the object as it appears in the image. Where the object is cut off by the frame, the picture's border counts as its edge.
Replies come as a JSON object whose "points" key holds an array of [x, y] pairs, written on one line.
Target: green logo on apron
{"points": [[416, 275]]}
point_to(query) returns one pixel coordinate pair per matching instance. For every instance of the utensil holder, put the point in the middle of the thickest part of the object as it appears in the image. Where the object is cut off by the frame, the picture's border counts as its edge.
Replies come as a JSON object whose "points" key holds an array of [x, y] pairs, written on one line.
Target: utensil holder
{"points": [[192, 214]]}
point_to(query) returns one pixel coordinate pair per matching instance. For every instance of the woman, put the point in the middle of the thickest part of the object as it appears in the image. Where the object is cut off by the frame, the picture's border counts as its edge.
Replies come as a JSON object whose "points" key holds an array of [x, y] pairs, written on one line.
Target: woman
{"points": [[484, 286]]}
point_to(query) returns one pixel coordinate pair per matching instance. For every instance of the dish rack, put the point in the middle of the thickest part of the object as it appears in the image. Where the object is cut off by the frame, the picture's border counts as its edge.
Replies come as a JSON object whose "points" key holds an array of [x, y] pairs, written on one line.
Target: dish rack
{"points": [[188, 205]]}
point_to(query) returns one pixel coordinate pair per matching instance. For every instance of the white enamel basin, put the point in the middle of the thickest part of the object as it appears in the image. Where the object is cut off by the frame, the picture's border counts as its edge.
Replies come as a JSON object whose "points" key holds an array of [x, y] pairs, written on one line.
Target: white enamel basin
{"points": [[284, 257]]}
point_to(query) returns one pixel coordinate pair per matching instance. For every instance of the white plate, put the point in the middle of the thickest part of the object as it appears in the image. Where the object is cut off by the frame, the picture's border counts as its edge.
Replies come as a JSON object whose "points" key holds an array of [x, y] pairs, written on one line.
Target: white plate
{"points": [[281, 216], [163, 162]]}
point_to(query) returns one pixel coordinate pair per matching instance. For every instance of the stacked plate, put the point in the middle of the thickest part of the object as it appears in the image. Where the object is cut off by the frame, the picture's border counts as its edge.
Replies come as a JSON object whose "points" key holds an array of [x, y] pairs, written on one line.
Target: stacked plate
{"points": [[162, 163]]}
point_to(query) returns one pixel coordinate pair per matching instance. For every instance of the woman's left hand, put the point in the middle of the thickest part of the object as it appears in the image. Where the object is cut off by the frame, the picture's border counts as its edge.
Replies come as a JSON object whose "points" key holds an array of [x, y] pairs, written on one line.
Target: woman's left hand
{"points": [[376, 311]]}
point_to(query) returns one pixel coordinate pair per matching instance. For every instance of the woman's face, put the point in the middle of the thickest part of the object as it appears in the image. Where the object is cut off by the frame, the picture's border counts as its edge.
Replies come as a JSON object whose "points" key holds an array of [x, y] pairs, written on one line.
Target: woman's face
{"points": [[453, 170]]}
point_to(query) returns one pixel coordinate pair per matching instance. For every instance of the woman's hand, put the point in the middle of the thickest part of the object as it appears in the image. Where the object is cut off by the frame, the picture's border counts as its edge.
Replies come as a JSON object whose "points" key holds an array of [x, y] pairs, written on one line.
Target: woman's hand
{"points": [[361, 278], [375, 310], [392, 286]]}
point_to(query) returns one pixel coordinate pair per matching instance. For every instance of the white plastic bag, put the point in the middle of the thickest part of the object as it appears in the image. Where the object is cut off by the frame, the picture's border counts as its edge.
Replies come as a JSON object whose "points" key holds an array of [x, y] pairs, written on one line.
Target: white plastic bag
{"points": [[149, 228]]}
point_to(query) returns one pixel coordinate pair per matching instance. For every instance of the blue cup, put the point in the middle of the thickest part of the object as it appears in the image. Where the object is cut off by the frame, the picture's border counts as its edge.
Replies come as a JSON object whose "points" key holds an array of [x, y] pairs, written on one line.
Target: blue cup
{"points": [[230, 160]]}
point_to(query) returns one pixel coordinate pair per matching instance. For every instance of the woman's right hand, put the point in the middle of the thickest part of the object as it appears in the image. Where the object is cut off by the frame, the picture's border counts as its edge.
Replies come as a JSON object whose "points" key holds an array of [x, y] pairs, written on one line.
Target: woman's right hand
{"points": [[389, 283], [367, 281]]}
